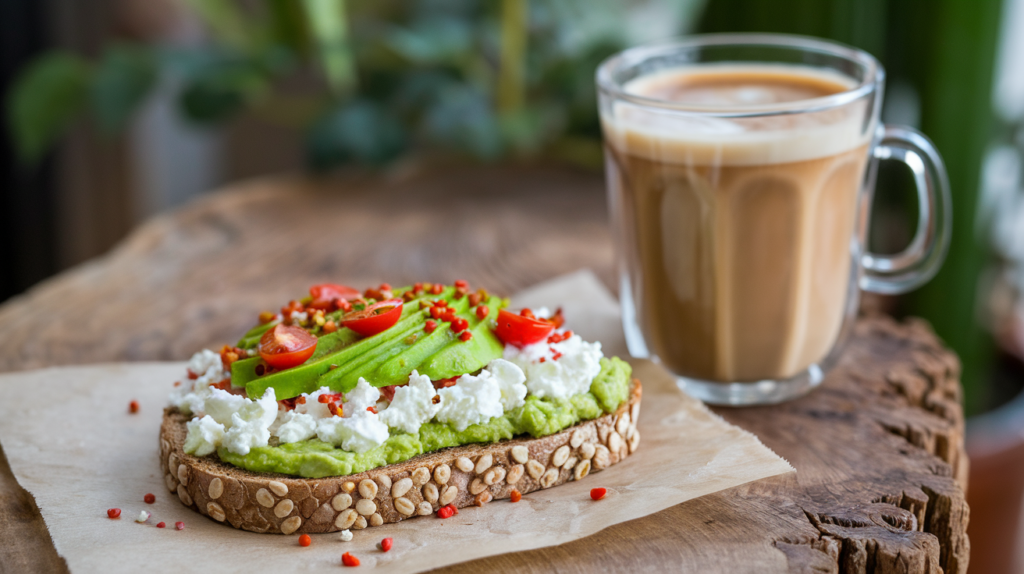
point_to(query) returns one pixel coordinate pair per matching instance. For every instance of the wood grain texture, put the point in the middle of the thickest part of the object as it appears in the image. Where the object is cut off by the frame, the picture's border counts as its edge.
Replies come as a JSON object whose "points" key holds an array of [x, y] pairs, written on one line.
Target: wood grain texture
{"points": [[878, 449]]}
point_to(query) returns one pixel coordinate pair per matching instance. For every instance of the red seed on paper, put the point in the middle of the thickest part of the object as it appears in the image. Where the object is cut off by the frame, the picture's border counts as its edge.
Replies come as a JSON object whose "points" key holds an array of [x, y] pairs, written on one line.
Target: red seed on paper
{"points": [[349, 560], [161, 524], [598, 493], [305, 540], [179, 526], [385, 544], [114, 513], [149, 498], [133, 407], [515, 496]]}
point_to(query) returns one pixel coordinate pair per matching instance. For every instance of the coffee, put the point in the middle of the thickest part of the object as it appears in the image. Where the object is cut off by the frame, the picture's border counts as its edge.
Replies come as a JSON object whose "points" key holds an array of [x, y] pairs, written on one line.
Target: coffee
{"points": [[737, 230]]}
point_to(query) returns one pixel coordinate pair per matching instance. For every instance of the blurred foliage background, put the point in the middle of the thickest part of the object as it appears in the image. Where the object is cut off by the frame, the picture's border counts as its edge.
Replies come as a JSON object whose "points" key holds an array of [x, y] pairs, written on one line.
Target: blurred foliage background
{"points": [[375, 83]]}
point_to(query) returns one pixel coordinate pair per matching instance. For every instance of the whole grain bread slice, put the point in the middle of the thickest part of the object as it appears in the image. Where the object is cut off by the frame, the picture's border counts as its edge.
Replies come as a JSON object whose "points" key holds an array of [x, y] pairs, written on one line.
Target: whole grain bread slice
{"points": [[462, 476]]}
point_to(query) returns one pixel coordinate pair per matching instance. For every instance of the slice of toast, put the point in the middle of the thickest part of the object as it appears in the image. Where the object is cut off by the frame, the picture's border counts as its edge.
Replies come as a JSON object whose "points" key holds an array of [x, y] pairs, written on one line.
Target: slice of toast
{"points": [[461, 476]]}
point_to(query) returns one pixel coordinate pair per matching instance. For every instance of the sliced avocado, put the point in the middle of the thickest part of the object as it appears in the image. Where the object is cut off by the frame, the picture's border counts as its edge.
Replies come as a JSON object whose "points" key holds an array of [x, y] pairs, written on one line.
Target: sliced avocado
{"points": [[347, 376], [305, 377], [461, 357], [252, 337]]}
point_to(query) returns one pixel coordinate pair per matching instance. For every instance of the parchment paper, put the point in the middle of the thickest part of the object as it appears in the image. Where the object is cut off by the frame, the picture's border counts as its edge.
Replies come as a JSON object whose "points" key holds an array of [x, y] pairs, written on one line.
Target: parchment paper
{"points": [[72, 444]]}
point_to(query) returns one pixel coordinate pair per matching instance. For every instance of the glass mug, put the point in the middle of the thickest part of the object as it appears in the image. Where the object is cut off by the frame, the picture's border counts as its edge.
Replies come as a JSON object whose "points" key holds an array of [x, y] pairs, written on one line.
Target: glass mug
{"points": [[740, 172]]}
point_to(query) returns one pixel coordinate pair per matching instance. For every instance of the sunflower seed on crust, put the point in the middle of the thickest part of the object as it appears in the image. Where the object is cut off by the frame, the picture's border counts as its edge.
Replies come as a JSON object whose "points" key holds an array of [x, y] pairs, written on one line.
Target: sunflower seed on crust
{"points": [[216, 488], [367, 488], [360, 523], [477, 486], [535, 469], [515, 473], [483, 463], [582, 469], [430, 493], [464, 464], [278, 488], [442, 473], [424, 509], [404, 506], [284, 508], [561, 455], [400, 487], [341, 501], [549, 478], [184, 496], [420, 476], [291, 525], [587, 450], [366, 507], [215, 511], [376, 519], [264, 497], [346, 519]]}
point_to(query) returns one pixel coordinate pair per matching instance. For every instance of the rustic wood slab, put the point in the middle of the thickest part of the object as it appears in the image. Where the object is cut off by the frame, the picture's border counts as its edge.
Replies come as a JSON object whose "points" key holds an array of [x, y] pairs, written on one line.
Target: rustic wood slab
{"points": [[878, 449]]}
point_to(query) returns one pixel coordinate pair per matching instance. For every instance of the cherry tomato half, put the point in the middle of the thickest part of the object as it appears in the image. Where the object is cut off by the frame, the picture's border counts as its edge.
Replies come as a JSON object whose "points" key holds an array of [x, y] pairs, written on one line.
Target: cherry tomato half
{"points": [[520, 330], [325, 294], [286, 346], [374, 319]]}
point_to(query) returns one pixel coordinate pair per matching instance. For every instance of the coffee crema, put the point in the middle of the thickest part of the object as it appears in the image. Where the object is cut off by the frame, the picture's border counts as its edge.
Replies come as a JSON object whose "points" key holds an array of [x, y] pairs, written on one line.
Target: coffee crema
{"points": [[737, 230]]}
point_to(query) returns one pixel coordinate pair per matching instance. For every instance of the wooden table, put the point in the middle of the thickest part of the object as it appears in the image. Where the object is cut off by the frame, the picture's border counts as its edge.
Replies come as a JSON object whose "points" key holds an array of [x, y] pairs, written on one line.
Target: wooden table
{"points": [[878, 449]]}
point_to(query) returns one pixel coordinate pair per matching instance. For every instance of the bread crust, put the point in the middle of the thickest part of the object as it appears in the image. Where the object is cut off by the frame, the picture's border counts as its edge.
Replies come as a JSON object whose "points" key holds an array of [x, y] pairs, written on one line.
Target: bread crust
{"points": [[479, 473]]}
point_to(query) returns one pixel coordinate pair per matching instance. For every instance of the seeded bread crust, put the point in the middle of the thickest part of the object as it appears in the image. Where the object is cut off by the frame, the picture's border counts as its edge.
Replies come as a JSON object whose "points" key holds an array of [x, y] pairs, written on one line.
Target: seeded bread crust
{"points": [[463, 476]]}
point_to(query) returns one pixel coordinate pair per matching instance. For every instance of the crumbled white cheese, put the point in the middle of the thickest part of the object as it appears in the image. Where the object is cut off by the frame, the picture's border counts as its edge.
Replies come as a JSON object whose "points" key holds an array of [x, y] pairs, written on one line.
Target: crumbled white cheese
{"points": [[510, 380], [472, 400], [250, 425], [357, 433], [143, 516], [413, 404], [346, 536], [313, 407], [360, 398], [295, 427], [221, 405], [208, 368], [204, 436], [571, 373]]}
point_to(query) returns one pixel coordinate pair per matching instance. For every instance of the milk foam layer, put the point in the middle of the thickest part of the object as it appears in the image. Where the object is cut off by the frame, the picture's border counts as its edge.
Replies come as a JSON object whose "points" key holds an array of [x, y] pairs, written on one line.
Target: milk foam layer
{"points": [[698, 136]]}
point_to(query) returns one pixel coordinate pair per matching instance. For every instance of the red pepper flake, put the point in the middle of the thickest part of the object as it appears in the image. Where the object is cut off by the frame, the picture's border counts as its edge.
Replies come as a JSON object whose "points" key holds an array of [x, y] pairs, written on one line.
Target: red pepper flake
{"points": [[305, 540], [450, 381], [459, 324], [133, 407], [335, 409], [417, 287], [436, 289], [515, 496], [343, 304], [556, 356], [430, 326], [527, 313], [324, 399], [149, 498], [446, 511], [177, 383], [385, 544], [461, 292], [266, 317], [474, 299], [192, 375], [465, 336], [349, 560], [161, 524], [598, 493], [566, 335], [114, 513], [543, 359], [372, 409], [300, 400], [482, 312], [179, 526]]}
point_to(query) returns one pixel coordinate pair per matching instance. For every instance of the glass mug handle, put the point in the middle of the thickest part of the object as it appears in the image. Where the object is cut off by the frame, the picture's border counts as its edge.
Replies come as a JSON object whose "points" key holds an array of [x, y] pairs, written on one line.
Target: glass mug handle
{"points": [[920, 261]]}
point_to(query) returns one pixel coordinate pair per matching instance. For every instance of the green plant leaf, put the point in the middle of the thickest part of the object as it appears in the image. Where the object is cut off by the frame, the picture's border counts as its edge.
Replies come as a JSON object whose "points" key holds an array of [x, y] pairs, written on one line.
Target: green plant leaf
{"points": [[360, 130], [124, 77], [45, 99], [217, 88], [328, 22]]}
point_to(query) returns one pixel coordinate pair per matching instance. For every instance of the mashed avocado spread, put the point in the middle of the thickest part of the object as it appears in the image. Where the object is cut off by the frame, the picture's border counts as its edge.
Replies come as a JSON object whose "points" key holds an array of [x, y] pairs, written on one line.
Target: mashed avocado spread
{"points": [[538, 417]]}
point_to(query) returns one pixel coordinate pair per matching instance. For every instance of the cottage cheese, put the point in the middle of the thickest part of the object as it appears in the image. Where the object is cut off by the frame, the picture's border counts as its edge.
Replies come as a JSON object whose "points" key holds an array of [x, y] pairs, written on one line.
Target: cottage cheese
{"points": [[362, 397], [209, 369], [571, 373], [510, 380], [250, 425], [221, 405], [472, 400], [204, 435], [412, 405], [294, 427], [357, 433]]}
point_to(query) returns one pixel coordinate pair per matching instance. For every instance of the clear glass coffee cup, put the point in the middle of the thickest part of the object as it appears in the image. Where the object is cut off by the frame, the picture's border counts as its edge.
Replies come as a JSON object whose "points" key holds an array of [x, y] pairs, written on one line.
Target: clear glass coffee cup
{"points": [[740, 173]]}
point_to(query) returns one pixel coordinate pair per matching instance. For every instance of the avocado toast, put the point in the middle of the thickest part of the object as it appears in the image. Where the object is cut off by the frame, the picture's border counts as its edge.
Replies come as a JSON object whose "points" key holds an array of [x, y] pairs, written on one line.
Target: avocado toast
{"points": [[351, 409]]}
